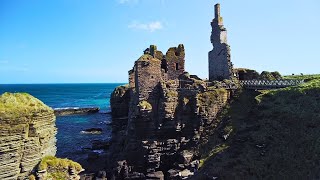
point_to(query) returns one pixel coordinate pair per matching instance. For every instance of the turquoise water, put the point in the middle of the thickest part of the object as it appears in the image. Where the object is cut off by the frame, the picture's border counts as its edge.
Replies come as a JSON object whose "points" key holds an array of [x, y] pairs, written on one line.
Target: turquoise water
{"points": [[70, 142]]}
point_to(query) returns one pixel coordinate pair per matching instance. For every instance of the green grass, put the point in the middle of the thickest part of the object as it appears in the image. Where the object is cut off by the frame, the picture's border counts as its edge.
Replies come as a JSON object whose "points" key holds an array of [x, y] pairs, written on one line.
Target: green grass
{"points": [[275, 135], [56, 164], [17, 105], [145, 105], [210, 97], [120, 90], [212, 153]]}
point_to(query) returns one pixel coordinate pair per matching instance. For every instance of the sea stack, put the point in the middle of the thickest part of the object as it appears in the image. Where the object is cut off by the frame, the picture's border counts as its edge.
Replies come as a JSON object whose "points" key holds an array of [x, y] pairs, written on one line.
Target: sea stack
{"points": [[27, 134]]}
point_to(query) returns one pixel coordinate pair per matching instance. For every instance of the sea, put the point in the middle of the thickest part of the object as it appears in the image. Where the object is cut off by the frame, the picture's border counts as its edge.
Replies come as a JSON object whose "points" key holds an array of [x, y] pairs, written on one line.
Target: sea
{"points": [[71, 143]]}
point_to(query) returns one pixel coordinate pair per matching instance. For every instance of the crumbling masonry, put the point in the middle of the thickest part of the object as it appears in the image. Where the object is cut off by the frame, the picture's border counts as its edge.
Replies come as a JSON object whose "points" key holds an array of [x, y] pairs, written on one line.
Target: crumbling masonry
{"points": [[220, 66], [170, 113]]}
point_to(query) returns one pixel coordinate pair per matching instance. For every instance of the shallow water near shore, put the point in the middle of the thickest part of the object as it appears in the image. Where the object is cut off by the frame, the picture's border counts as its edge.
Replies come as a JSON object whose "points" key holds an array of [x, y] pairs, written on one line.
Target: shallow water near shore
{"points": [[70, 142]]}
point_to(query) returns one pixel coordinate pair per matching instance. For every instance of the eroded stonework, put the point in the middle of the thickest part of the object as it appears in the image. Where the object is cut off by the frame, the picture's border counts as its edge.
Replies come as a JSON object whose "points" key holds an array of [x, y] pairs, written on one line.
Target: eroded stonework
{"points": [[170, 114], [220, 66]]}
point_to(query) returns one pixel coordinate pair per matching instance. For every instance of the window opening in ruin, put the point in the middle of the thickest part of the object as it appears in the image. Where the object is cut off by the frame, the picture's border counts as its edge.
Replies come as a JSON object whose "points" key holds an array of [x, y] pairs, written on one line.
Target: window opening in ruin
{"points": [[164, 65], [177, 66]]}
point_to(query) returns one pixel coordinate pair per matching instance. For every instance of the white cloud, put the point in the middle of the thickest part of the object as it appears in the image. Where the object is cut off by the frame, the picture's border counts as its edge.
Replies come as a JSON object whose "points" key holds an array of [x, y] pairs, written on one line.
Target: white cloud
{"points": [[151, 27]]}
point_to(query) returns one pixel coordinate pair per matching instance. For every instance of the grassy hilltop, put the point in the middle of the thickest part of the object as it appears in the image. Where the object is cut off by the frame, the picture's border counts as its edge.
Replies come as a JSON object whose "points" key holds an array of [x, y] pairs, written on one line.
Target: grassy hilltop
{"points": [[274, 134]]}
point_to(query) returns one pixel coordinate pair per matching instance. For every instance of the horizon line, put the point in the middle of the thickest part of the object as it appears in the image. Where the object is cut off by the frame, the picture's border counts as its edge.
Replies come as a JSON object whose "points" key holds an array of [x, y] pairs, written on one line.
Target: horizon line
{"points": [[65, 83]]}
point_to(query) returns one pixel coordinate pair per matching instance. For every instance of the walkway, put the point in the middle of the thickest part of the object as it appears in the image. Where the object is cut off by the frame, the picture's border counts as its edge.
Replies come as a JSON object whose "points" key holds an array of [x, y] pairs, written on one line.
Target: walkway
{"points": [[267, 84]]}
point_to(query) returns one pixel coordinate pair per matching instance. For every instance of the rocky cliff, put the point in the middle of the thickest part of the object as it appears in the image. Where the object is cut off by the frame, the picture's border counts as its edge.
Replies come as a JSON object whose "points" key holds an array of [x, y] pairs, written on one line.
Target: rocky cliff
{"points": [[162, 140], [27, 134], [120, 101]]}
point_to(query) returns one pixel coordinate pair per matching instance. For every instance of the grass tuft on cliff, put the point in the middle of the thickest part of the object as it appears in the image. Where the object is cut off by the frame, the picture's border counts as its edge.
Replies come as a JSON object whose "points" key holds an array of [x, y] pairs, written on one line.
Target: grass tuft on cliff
{"points": [[145, 105], [58, 168], [275, 135], [16, 105]]}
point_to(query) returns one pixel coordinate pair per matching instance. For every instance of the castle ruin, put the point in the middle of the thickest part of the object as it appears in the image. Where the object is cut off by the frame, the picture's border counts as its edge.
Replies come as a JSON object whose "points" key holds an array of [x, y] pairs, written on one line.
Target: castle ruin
{"points": [[220, 65], [169, 112], [153, 67]]}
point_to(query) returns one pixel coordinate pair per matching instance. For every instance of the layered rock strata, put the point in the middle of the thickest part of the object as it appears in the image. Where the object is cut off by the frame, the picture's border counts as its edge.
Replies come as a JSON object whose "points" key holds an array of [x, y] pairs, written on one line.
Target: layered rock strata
{"points": [[27, 133]]}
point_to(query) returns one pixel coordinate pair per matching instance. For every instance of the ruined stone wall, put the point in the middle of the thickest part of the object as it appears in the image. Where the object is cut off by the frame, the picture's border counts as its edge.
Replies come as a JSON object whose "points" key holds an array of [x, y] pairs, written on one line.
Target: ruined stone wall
{"points": [[220, 66], [131, 78], [27, 133], [175, 58], [147, 76]]}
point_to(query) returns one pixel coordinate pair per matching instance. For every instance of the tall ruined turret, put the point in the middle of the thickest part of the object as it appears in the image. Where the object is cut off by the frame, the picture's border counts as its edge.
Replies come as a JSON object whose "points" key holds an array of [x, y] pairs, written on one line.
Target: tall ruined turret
{"points": [[220, 66]]}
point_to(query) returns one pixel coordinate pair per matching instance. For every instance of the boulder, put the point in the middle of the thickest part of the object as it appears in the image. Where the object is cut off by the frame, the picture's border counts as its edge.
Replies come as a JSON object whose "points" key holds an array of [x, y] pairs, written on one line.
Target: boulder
{"points": [[92, 131]]}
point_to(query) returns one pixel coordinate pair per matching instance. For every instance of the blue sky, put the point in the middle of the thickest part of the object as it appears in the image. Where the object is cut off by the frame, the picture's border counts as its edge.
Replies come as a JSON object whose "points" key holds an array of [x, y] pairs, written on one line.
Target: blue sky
{"points": [[73, 41]]}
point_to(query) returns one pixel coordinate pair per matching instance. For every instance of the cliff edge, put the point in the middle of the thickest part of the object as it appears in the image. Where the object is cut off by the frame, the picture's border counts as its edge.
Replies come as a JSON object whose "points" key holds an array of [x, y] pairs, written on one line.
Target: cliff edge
{"points": [[27, 135]]}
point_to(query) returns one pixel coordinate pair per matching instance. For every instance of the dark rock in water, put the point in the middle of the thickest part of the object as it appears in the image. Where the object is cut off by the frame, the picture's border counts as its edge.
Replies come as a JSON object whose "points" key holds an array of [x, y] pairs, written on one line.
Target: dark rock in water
{"points": [[90, 176], [71, 111], [93, 156], [92, 131], [99, 144]]}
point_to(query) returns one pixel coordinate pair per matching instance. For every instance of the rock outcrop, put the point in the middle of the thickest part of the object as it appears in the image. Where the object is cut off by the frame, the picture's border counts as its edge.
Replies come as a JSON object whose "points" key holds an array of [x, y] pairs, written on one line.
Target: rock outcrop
{"points": [[170, 114], [27, 133], [55, 168], [249, 74], [76, 110], [119, 101]]}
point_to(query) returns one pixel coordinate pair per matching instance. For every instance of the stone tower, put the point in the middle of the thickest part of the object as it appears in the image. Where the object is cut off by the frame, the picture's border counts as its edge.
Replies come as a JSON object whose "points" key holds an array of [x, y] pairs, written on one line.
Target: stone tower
{"points": [[220, 66]]}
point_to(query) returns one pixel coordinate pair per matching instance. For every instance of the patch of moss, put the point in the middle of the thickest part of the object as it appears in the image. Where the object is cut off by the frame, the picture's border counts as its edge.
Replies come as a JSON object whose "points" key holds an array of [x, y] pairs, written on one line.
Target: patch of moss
{"points": [[58, 176], [17, 105], [145, 105], [56, 165], [120, 90], [185, 101], [213, 152], [172, 93], [32, 177], [210, 97]]}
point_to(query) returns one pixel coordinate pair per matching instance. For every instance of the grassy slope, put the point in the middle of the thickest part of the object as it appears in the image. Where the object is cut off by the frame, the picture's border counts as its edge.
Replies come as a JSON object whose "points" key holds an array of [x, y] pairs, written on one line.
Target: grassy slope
{"points": [[19, 105], [275, 136]]}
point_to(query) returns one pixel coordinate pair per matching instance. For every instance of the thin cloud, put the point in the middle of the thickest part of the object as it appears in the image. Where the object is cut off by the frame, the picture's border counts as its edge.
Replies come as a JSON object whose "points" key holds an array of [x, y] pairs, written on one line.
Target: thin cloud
{"points": [[151, 27]]}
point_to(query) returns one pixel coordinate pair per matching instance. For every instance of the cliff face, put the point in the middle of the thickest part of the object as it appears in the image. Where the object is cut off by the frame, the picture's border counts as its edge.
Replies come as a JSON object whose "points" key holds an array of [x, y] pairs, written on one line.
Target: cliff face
{"points": [[276, 135], [119, 101], [27, 133], [163, 134]]}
